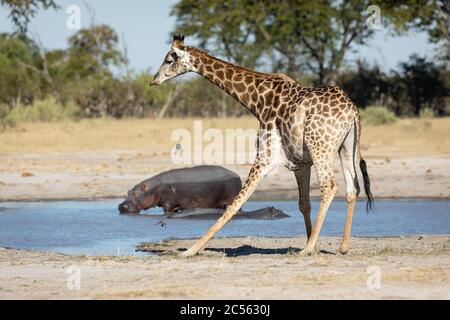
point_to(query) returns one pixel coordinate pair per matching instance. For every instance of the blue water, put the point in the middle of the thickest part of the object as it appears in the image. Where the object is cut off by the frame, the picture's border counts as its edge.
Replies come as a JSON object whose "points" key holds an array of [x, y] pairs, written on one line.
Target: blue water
{"points": [[96, 227]]}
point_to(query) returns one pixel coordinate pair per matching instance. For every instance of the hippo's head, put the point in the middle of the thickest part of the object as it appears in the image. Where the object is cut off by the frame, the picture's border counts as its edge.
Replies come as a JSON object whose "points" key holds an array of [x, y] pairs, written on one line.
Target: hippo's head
{"points": [[141, 197]]}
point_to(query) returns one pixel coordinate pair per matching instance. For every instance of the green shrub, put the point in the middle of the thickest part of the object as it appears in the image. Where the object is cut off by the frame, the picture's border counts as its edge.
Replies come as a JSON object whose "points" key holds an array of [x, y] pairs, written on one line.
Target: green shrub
{"points": [[5, 120], [48, 110], [378, 116], [427, 113]]}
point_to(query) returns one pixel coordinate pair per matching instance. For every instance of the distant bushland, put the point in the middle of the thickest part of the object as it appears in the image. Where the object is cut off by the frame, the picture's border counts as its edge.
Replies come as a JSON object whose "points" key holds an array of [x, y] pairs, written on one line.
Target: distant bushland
{"points": [[92, 78]]}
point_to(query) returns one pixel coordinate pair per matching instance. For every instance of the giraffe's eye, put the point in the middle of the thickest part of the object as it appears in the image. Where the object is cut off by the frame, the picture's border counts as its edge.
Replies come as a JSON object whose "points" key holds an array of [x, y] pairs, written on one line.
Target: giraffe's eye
{"points": [[168, 61]]}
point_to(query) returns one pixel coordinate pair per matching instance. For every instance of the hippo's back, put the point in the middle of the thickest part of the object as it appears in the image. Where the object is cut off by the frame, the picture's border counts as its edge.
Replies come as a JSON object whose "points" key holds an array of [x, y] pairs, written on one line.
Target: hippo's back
{"points": [[198, 187], [199, 174]]}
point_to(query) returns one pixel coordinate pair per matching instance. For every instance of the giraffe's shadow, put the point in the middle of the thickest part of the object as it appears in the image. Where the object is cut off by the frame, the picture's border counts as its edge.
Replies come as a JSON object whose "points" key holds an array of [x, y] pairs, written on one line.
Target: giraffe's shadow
{"points": [[246, 250]]}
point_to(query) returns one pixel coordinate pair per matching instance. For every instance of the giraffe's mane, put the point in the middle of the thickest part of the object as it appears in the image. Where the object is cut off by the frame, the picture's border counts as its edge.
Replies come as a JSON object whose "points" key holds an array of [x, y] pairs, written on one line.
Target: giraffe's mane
{"points": [[238, 67]]}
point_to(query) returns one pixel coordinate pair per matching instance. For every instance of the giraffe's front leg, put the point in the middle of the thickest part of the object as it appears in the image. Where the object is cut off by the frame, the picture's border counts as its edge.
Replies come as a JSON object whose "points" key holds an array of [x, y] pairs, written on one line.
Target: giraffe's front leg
{"points": [[268, 157], [257, 172]]}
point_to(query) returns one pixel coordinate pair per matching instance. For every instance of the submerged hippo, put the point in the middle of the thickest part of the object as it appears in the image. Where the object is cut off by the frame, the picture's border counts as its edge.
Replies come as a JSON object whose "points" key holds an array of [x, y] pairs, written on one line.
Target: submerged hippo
{"points": [[204, 214], [180, 189]]}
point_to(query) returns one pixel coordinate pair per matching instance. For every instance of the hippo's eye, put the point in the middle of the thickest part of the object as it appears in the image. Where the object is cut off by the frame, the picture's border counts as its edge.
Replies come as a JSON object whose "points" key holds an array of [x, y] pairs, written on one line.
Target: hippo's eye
{"points": [[132, 194]]}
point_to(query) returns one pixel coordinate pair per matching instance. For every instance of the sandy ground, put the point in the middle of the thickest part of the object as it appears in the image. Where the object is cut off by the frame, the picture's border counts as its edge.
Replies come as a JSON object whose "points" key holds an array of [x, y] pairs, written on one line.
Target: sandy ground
{"points": [[239, 268], [111, 173]]}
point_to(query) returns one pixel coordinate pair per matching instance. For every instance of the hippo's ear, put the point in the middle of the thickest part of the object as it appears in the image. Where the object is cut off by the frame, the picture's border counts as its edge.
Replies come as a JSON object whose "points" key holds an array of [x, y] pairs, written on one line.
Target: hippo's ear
{"points": [[144, 187]]}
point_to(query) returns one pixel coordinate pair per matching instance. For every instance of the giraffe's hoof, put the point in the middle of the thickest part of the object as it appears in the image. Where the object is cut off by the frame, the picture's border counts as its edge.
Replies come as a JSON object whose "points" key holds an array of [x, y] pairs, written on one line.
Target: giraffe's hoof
{"points": [[306, 252], [188, 253], [343, 249]]}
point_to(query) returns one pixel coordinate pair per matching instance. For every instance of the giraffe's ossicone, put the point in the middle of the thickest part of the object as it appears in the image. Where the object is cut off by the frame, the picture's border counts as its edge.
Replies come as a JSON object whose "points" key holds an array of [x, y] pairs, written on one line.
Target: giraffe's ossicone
{"points": [[313, 125]]}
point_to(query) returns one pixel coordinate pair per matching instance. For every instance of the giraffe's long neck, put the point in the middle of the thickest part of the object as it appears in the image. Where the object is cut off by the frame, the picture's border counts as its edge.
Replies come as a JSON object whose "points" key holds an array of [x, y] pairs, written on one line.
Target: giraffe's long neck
{"points": [[241, 83]]}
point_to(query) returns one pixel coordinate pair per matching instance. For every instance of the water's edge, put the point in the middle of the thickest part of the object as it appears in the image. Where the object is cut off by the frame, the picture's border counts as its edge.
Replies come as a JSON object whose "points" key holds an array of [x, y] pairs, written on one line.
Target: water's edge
{"points": [[96, 227]]}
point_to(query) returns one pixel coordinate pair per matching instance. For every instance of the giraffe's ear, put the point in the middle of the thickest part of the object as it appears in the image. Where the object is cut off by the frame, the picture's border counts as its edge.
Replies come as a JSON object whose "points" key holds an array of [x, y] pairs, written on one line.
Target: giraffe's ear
{"points": [[178, 41], [179, 52]]}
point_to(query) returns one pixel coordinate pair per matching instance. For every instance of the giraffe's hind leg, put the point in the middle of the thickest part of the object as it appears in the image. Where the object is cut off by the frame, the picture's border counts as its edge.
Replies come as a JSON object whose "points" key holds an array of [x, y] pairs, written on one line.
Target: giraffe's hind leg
{"points": [[323, 163], [303, 177], [347, 155]]}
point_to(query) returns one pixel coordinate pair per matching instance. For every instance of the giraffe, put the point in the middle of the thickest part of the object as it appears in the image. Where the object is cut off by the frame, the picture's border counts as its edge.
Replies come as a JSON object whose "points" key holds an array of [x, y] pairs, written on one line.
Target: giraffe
{"points": [[314, 123]]}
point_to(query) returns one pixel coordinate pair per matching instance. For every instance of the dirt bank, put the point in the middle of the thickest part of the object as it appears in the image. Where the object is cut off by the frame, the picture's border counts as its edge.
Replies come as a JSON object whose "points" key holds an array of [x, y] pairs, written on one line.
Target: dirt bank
{"points": [[239, 268], [97, 158], [111, 173]]}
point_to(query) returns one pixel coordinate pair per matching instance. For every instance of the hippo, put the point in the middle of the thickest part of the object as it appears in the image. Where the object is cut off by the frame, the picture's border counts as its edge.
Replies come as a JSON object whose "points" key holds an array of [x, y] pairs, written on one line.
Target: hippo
{"points": [[187, 188], [205, 214]]}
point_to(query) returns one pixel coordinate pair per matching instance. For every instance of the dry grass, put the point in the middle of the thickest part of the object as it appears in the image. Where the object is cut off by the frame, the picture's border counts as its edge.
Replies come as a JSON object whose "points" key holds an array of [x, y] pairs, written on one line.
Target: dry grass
{"points": [[408, 136], [98, 134]]}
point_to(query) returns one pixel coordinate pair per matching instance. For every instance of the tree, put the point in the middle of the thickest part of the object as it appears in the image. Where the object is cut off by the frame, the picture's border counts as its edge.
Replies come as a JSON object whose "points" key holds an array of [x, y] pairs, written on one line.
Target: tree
{"points": [[296, 35], [222, 27], [416, 85], [424, 84], [431, 16], [366, 86], [21, 11], [85, 68], [316, 35], [225, 29], [18, 84], [93, 51]]}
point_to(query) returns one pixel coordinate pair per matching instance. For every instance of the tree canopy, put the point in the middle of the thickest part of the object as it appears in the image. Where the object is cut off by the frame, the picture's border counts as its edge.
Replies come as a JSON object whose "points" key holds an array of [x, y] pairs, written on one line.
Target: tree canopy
{"points": [[93, 51], [296, 36], [21, 11]]}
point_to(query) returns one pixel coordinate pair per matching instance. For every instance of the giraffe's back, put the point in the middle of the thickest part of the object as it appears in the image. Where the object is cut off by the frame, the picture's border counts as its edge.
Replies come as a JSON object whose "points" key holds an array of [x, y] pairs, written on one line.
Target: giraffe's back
{"points": [[329, 115], [314, 116]]}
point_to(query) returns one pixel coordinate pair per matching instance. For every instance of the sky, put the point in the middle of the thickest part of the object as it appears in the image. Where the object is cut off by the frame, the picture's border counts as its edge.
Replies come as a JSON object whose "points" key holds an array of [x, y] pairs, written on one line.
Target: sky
{"points": [[146, 26]]}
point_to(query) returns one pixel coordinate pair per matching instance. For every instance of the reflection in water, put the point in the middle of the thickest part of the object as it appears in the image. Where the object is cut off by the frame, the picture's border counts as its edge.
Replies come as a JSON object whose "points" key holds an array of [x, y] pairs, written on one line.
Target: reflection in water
{"points": [[96, 228]]}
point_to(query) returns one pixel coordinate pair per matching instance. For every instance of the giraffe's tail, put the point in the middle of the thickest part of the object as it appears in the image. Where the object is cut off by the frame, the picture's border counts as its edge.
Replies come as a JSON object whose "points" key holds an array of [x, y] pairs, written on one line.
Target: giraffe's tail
{"points": [[363, 167]]}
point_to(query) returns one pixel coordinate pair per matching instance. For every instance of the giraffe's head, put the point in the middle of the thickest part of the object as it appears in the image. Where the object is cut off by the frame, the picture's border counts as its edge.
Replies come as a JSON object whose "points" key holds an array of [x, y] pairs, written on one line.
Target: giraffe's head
{"points": [[175, 62]]}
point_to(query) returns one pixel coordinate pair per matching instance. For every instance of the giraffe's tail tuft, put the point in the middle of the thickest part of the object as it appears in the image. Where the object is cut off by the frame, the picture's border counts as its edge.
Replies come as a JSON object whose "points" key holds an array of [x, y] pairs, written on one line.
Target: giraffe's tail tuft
{"points": [[363, 167]]}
